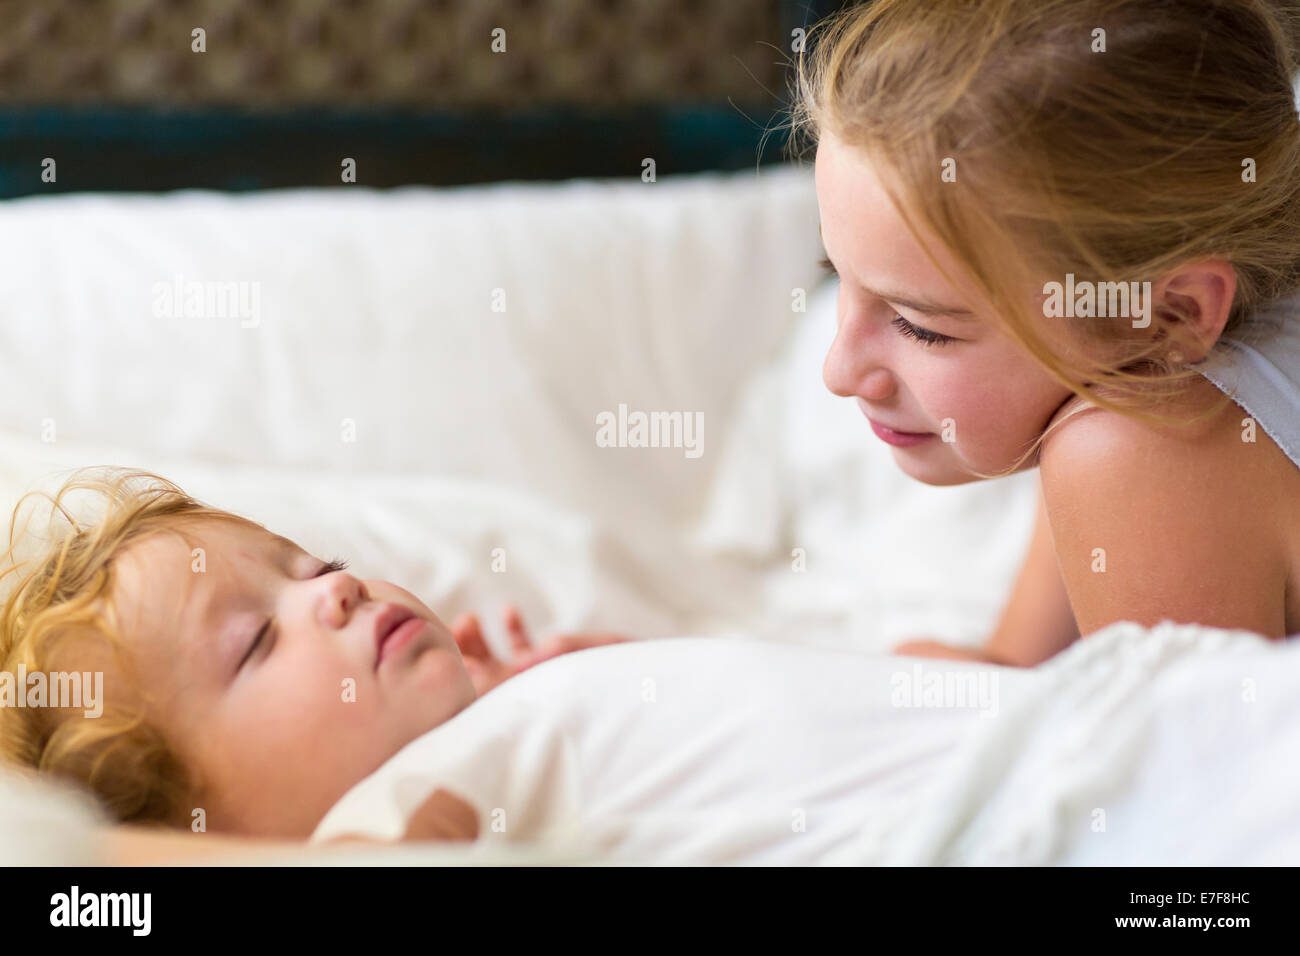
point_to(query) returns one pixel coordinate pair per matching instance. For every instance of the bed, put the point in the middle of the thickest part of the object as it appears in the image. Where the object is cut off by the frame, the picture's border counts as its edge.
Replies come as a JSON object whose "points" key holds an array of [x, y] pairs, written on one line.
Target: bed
{"points": [[379, 407]]}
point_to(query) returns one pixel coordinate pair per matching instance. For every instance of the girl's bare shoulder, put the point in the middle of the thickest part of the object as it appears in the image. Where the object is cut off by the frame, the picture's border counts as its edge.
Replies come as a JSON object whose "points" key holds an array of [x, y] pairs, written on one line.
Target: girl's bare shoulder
{"points": [[1187, 523]]}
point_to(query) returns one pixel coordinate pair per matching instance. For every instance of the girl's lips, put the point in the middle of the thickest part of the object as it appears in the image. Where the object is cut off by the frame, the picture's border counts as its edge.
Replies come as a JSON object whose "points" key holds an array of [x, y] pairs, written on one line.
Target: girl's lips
{"points": [[893, 436], [901, 439]]}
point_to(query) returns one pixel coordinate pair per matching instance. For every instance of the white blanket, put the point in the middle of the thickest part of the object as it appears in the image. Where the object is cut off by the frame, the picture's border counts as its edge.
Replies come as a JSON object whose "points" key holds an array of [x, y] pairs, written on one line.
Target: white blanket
{"points": [[691, 750], [1173, 745], [1167, 746]]}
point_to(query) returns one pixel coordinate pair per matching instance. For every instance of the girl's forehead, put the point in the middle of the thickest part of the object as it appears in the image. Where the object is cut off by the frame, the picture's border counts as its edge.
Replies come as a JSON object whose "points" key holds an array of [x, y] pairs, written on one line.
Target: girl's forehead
{"points": [[856, 210], [860, 225]]}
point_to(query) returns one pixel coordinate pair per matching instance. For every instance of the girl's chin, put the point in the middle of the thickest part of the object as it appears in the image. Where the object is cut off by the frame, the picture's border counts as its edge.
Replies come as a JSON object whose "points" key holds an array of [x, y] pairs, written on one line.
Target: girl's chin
{"points": [[929, 469]]}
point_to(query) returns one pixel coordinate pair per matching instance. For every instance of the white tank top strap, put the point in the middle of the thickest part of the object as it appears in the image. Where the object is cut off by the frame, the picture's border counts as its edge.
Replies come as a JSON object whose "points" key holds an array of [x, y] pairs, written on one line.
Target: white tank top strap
{"points": [[1259, 366]]}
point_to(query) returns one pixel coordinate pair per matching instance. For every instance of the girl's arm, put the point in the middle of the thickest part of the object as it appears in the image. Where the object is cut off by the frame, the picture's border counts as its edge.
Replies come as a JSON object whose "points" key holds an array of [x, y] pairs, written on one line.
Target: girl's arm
{"points": [[1037, 621]]}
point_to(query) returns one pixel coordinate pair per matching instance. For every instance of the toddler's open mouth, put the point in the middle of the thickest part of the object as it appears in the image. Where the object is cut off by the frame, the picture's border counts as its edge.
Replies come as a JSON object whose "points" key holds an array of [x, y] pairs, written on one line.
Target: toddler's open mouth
{"points": [[395, 627]]}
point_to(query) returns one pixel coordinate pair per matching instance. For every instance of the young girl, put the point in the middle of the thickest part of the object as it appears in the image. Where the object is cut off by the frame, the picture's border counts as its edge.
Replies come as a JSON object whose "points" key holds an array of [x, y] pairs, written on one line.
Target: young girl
{"points": [[988, 174]]}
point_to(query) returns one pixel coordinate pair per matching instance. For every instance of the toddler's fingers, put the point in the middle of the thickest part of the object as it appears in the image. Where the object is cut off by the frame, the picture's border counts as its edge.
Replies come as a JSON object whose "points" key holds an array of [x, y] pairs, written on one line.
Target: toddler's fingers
{"points": [[469, 636], [464, 623], [443, 816], [520, 642]]}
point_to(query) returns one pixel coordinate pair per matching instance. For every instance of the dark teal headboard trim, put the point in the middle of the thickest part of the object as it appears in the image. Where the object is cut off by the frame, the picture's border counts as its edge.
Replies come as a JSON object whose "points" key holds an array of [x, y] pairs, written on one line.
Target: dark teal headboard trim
{"points": [[146, 149]]}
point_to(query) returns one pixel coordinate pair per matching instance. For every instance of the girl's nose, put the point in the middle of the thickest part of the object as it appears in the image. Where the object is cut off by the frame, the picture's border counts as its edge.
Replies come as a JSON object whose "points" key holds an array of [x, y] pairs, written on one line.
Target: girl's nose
{"points": [[850, 370]]}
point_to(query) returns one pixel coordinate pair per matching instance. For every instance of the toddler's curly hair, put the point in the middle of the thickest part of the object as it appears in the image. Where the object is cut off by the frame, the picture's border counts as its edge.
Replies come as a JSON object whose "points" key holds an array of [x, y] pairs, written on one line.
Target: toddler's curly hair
{"points": [[58, 610]]}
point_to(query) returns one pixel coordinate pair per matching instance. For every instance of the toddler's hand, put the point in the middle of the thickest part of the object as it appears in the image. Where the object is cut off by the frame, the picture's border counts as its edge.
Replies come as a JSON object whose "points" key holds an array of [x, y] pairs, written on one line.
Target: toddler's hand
{"points": [[443, 816], [486, 670]]}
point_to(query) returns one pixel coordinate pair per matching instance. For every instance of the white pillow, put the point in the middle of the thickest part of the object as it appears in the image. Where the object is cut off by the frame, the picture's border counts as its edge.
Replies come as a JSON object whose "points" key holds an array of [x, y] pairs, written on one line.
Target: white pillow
{"points": [[474, 430], [375, 314], [44, 824]]}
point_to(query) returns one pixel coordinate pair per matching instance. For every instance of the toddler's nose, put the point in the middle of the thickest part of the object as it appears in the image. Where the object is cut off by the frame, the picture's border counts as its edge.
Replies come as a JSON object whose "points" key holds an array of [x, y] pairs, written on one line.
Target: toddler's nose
{"points": [[340, 595]]}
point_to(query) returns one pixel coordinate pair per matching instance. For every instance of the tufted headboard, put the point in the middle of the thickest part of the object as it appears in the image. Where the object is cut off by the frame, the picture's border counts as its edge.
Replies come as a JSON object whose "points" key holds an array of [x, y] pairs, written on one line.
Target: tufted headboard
{"points": [[130, 95]]}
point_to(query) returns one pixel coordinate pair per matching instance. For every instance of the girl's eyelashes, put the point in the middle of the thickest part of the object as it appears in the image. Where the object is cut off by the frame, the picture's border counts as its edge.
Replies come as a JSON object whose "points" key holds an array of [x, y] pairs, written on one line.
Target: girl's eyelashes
{"points": [[924, 336]]}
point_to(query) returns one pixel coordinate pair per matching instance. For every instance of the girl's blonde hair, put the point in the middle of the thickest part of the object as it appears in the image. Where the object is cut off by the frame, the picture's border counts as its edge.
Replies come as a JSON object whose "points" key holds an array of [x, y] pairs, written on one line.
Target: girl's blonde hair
{"points": [[1105, 138], [58, 606]]}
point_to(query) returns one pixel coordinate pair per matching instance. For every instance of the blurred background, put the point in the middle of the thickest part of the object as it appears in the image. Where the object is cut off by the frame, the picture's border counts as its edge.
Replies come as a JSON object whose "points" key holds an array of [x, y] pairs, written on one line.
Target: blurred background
{"points": [[407, 369], [441, 92], [414, 374]]}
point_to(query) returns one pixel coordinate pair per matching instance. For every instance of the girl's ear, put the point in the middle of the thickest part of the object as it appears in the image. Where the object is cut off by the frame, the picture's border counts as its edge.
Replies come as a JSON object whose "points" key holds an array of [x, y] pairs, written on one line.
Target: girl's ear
{"points": [[1194, 303]]}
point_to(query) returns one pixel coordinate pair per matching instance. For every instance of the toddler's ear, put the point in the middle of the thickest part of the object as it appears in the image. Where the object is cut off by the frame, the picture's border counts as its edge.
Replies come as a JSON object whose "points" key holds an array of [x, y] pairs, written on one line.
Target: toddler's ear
{"points": [[444, 816]]}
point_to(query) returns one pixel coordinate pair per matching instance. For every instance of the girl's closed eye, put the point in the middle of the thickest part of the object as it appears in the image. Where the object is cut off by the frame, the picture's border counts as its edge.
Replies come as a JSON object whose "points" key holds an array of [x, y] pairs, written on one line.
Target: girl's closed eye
{"points": [[338, 564], [912, 331], [924, 336]]}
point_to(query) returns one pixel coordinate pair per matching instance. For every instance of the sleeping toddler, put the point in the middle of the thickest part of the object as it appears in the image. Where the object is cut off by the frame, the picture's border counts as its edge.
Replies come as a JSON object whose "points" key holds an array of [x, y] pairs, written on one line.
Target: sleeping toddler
{"points": [[254, 689]]}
